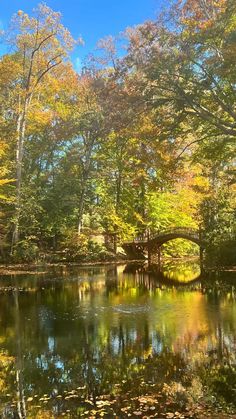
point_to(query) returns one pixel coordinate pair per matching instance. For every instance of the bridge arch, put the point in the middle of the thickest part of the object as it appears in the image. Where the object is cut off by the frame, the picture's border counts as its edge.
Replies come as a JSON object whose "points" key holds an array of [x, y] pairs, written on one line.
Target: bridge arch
{"points": [[165, 238]]}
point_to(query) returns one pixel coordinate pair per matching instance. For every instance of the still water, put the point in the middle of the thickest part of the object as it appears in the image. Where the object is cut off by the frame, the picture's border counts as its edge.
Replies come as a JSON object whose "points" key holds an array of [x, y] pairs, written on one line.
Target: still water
{"points": [[114, 341]]}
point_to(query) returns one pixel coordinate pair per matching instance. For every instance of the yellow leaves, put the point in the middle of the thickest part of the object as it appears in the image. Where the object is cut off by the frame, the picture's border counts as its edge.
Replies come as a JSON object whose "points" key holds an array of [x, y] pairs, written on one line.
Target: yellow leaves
{"points": [[63, 111], [139, 218], [9, 70], [38, 119], [3, 148], [5, 359], [146, 354], [42, 43], [201, 183], [54, 100], [5, 363], [4, 182], [3, 172]]}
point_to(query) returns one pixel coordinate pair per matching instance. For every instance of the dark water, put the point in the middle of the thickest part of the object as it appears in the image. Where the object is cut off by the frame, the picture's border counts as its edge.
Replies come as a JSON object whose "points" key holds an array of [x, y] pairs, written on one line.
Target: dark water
{"points": [[98, 341]]}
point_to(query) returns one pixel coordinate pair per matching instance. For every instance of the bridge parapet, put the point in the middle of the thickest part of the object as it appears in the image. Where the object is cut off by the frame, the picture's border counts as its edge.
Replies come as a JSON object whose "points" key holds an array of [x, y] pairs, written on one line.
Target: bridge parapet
{"points": [[182, 231]]}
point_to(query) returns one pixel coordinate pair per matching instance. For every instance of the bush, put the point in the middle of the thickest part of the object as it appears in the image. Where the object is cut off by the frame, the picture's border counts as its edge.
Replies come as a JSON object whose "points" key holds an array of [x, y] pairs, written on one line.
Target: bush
{"points": [[83, 249], [26, 251]]}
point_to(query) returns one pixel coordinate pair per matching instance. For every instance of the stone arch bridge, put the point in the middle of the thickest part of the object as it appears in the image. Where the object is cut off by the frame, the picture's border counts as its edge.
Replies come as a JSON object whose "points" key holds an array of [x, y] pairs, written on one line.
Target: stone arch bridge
{"points": [[150, 244]]}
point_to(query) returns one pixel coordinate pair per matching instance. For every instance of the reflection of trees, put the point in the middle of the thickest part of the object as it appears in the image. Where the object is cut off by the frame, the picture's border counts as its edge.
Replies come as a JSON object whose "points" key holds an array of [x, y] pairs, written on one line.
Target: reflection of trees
{"points": [[21, 407], [84, 332], [6, 364], [218, 373], [17, 369]]}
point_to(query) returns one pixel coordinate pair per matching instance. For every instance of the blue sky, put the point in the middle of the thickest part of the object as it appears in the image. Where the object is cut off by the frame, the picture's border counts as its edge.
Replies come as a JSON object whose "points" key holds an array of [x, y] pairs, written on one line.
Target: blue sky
{"points": [[91, 19]]}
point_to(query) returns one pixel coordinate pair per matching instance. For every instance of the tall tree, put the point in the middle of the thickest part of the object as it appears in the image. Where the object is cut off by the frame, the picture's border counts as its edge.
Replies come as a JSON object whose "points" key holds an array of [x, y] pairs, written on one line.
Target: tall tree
{"points": [[41, 44]]}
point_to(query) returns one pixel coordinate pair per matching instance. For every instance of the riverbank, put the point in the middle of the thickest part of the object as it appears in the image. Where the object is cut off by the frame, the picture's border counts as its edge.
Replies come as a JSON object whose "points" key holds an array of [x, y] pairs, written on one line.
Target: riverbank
{"points": [[40, 268]]}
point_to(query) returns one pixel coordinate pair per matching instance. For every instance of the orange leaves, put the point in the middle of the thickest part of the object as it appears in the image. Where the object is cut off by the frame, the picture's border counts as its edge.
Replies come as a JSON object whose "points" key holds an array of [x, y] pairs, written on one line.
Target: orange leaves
{"points": [[201, 14]]}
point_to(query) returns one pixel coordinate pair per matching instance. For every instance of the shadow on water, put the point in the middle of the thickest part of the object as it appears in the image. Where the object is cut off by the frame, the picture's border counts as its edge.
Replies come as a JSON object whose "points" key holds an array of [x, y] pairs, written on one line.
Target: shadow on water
{"points": [[115, 340]]}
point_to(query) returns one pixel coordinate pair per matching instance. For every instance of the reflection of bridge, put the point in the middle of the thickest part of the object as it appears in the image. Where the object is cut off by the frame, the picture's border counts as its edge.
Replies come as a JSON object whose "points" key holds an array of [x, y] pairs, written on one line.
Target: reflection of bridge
{"points": [[160, 276], [151, 243]]}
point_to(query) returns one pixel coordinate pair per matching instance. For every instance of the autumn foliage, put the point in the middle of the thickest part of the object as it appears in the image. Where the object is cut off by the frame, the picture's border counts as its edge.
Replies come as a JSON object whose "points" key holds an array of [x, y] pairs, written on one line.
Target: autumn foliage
{"points": [[137, 141]]}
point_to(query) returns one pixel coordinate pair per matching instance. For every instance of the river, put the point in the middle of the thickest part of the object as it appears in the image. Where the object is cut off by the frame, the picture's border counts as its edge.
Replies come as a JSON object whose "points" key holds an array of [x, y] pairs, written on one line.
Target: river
{"points": [[115, 341]]}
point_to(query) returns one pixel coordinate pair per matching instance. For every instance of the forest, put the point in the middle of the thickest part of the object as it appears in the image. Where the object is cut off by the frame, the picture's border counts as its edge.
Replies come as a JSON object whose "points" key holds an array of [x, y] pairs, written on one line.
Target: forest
{"points": [[96, 163], [142, 139]]}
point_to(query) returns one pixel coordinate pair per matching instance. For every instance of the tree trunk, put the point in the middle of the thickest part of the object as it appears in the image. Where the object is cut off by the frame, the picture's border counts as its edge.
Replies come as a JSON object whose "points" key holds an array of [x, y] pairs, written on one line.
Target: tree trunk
{"points": [[21, 125], [118, 190], [85, 176], [81, 209], [19, 161]]}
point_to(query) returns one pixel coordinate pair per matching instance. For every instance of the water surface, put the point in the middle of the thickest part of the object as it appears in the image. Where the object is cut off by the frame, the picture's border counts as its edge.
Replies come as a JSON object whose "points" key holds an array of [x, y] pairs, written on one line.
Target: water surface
{"points": [[97, 340]]}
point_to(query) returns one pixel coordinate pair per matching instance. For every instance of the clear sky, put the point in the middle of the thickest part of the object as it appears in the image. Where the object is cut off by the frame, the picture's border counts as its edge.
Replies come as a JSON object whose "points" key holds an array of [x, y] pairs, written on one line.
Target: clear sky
{"points": [[91, 19]]}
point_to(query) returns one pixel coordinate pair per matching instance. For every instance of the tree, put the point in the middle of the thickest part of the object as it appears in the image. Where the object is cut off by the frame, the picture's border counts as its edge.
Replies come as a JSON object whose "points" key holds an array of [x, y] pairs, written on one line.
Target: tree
{"points": [[41, 44]]}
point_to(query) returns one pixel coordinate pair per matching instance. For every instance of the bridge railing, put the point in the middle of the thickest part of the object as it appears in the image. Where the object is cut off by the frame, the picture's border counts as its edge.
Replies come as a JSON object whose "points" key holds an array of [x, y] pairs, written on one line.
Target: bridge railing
{"points": [[146, 235]]}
